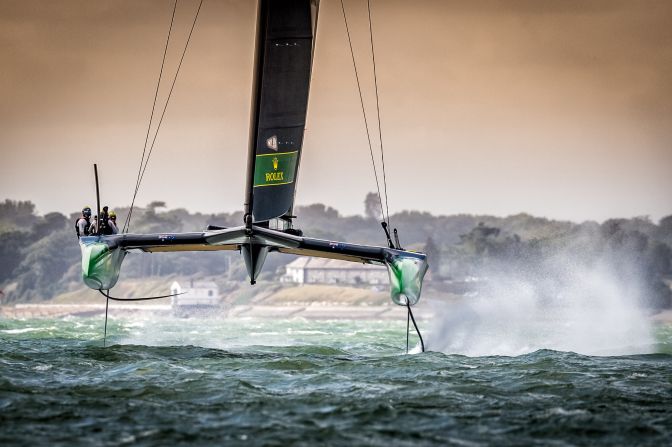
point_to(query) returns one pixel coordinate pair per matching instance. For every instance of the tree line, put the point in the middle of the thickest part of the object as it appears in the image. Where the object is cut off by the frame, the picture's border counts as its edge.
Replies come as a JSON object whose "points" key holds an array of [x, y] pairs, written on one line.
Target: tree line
{"points": [[40, 256]]}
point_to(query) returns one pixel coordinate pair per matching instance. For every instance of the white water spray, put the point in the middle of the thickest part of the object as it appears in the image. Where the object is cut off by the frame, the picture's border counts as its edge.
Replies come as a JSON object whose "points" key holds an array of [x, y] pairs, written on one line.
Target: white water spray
{"points": [[593, 311]]}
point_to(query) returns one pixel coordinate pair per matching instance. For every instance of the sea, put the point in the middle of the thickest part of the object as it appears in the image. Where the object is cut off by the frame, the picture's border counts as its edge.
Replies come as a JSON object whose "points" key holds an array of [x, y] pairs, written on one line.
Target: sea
{"points": [[209, 381]]}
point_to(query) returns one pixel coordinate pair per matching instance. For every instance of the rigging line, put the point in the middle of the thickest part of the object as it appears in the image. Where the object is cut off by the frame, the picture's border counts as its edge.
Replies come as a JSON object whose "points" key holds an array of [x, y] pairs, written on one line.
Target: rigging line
{"points": [[172, 86], [170, 93], [151, 119], [361, 101], [144, 298], [380, 132]]}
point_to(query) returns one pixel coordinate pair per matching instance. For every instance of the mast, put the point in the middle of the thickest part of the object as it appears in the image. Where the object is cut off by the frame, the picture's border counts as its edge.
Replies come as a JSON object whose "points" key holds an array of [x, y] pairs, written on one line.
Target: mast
{"points": [[259, 47], [281, 80]]}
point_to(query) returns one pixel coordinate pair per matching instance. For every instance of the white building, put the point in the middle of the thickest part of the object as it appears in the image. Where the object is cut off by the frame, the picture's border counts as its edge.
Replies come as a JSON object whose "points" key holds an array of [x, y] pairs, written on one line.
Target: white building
{"points": [[195, 293], [333, 271]]}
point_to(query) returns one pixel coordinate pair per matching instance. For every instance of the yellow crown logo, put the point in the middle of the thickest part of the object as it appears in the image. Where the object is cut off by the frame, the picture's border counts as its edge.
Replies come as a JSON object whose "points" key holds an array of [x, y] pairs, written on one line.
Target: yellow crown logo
{"points": [[275, 163]]}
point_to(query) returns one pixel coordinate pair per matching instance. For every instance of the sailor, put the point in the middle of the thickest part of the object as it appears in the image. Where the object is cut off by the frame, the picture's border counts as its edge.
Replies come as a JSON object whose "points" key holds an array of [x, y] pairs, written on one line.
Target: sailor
{"points": [[83, 224], [93, 230], [103, 220], [112, 223]]}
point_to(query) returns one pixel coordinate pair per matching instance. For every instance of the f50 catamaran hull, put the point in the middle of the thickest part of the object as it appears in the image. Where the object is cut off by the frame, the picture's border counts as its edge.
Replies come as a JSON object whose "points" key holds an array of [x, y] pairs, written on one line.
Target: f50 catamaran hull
{"points": [[102, 256]]}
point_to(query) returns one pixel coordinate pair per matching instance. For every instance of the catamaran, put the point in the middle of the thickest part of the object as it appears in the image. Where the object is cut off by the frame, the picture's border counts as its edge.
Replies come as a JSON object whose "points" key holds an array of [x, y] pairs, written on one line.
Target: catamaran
{"points": [[282, 70]]}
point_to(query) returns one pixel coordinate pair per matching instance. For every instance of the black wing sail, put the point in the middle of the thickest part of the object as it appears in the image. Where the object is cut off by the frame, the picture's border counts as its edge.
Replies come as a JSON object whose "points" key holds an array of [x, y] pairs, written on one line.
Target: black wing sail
{"points": [[280, 101]]}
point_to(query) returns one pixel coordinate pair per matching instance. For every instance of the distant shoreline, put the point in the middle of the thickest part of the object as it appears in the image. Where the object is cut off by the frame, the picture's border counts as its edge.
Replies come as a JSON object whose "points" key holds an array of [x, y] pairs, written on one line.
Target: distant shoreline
{"points": [[312, 311]]}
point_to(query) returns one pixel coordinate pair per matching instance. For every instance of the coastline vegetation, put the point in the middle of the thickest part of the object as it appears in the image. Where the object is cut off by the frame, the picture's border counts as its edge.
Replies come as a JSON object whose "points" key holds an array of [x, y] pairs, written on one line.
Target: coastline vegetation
{"points": [[39, 254]]}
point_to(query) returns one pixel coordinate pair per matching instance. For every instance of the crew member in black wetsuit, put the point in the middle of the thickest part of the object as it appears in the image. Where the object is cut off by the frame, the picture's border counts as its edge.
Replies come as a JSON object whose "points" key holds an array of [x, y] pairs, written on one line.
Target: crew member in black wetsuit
{"points": [[103, 219]]}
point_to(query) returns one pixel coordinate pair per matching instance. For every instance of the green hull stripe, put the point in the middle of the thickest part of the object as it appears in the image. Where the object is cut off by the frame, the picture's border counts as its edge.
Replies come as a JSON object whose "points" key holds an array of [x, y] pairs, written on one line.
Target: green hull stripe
{"points": [[275, 169]]}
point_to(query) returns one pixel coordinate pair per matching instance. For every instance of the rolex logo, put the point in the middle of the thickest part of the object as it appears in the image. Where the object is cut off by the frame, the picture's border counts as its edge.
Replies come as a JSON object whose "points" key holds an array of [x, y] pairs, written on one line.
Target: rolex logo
{"points": [[275, 176]]}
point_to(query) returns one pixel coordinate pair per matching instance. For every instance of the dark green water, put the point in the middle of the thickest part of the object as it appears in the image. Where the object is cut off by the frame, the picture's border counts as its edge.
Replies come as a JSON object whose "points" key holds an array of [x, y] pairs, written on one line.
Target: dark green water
{"points": [[251, 382]]}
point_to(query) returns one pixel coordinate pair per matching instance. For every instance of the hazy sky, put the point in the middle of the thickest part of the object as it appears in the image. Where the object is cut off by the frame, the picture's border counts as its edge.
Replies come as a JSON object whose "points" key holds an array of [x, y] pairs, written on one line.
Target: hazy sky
{"points": [[556, 108]]}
